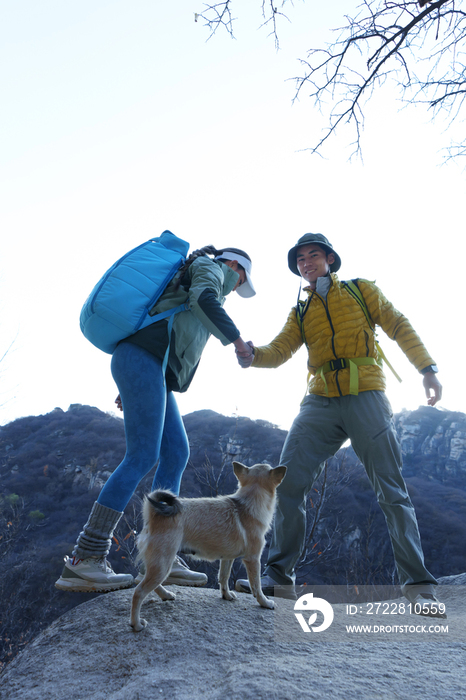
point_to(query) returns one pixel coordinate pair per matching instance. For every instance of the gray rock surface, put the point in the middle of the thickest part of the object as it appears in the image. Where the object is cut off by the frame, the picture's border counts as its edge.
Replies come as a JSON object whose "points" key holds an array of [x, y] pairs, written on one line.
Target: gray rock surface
{"points": [[200, 646]]}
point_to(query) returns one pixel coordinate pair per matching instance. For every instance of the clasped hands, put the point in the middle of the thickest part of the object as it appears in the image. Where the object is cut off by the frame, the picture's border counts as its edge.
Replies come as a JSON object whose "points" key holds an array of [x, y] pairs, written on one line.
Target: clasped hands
{"points": [[244, 352]]}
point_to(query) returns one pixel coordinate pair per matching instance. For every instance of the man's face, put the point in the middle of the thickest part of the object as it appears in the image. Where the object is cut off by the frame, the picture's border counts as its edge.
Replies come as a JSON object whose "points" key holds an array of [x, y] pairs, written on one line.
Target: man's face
{"points": [[313, 262]]}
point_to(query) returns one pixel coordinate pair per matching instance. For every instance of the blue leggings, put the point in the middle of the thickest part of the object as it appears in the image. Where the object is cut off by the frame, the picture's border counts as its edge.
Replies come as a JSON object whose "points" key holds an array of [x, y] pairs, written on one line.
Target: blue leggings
{"points": [[153, 427]]}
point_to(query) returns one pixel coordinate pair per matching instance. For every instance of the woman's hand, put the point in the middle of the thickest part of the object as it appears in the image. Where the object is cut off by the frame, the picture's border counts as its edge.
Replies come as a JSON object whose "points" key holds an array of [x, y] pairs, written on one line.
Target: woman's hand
{"points": [[118, 402], [244, 352]]}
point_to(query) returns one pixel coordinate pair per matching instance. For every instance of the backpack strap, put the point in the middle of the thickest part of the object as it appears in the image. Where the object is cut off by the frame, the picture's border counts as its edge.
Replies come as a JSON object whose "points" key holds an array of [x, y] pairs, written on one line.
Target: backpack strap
{"points": [[165, 314], [301, 308], [352, 288], [353, 363]]}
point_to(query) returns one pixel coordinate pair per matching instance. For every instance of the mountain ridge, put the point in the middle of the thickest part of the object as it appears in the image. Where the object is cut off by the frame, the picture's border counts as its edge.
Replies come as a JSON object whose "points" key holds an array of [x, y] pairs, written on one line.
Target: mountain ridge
{"points": [[53, 466]]}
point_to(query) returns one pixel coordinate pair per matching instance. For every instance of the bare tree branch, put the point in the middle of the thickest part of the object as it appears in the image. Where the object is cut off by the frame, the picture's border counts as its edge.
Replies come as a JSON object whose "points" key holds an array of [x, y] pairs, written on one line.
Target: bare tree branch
{"points": [[219, 15], [416, 45], [421, 52], [271, 18]]}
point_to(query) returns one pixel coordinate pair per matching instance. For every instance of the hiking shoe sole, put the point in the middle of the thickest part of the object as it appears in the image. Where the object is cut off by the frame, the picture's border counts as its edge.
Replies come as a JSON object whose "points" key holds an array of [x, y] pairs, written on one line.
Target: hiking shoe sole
{"points": [[177, 581], [174, 581], [269, 591], [89, 587], [91, 575]]}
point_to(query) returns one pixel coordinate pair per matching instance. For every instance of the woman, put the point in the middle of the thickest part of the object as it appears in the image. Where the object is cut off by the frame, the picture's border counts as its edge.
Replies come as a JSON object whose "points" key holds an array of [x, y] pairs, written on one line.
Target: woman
{"points": [[148, 367]]}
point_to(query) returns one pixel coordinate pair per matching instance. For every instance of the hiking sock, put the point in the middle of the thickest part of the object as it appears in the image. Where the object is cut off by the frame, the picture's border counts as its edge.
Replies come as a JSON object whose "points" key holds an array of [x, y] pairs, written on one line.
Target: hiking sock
{"points": [[96, 538]]}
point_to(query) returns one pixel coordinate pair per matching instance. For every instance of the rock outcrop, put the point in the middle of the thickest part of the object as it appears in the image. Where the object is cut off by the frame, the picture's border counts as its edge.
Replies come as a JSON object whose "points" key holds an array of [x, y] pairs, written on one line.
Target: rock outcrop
{"points": [[200, 646], [433, 444]]}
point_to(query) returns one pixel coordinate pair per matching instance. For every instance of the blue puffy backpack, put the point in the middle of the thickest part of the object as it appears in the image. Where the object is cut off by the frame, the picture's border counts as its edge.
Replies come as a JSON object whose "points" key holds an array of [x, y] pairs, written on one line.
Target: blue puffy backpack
{"points": [[119, 304]]}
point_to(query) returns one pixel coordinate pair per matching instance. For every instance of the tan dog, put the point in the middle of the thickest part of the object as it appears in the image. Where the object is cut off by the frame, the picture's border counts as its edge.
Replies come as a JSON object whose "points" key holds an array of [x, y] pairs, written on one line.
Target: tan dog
{"points": [[222, 528]]}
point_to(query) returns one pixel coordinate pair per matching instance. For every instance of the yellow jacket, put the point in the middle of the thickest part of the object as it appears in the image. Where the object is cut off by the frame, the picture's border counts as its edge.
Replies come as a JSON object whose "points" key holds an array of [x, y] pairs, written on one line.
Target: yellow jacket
{"points": [[335, 328]]}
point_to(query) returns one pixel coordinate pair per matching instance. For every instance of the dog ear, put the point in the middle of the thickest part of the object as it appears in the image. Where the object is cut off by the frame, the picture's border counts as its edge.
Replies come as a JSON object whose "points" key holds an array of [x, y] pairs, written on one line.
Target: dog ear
{"points": [[278, 474], [239, 469]]}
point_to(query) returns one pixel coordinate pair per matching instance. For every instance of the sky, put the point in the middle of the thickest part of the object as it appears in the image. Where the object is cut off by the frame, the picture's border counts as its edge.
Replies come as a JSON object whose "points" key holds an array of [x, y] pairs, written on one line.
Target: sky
{"points": [[120, 120]]}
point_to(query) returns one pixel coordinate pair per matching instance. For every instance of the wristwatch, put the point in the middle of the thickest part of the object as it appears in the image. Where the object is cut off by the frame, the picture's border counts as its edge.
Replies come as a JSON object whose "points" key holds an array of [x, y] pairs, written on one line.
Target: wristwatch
{"points": [[430, 368]]}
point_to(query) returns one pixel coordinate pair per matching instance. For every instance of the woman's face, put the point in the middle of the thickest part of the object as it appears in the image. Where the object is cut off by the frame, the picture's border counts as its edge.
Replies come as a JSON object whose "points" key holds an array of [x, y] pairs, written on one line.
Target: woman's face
{"points": [[237, 268]]}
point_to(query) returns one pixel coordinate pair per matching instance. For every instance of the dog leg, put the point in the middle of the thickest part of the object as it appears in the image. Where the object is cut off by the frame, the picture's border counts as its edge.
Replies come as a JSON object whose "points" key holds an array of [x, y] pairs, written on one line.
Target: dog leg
{"points": [[223, 576], [253, 570], [140, 592], [156, 572], [164, 593]]}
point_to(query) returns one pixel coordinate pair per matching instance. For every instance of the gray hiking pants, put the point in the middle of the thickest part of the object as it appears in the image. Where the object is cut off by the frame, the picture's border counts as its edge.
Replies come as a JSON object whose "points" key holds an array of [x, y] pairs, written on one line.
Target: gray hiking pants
{"points": [[320, 429]]}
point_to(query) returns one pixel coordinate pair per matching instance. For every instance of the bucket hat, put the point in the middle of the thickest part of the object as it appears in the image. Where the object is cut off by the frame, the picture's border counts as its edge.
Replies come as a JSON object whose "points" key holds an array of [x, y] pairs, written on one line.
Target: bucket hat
{"points": [[312, 238]]}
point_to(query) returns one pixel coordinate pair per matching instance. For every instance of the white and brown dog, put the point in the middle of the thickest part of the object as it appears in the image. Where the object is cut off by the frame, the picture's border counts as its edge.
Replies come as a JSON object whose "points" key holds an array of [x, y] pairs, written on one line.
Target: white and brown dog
{"points": [[225, 528]]}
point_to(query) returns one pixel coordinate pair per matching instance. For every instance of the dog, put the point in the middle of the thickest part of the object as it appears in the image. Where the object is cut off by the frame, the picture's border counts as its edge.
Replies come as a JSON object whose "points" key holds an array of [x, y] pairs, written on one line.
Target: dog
{"points": [[225, 528]]}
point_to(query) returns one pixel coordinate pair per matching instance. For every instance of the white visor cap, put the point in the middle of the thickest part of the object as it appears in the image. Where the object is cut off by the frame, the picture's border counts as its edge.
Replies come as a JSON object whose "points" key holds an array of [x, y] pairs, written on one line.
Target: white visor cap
{"points": [[246, 289]]}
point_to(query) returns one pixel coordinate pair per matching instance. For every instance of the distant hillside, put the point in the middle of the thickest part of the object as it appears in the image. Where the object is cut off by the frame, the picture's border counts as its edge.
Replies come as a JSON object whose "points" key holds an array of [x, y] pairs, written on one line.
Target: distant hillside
{"points": [[52, 468]]}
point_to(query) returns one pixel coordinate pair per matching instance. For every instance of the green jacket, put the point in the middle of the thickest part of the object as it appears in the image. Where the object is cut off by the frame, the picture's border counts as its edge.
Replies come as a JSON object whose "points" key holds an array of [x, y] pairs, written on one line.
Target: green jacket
{"points": [[204, 287]]}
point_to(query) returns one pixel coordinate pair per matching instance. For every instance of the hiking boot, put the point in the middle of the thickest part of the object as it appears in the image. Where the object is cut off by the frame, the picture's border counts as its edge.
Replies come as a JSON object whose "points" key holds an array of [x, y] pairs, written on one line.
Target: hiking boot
{"points": [[269, 588], [180, 575], [428, 605], [91, 575]]}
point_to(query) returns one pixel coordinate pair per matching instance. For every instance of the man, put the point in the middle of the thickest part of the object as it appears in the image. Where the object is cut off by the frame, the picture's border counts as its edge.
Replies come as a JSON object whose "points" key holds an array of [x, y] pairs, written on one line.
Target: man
{"points": [[346, 399]]}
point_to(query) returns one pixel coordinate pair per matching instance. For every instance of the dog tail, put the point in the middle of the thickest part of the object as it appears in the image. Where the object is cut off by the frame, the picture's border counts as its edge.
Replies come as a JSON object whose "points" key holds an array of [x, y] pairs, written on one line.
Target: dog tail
{"points": [[165, 503]]}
